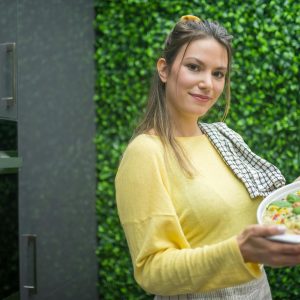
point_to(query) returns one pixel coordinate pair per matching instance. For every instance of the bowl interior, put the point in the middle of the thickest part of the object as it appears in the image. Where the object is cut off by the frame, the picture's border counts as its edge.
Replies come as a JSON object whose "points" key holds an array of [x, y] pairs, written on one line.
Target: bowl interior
{"points": [[278, 195]]}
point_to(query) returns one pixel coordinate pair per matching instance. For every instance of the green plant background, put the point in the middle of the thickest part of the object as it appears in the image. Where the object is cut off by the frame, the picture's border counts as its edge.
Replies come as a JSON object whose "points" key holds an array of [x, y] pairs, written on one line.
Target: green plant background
{"points": [[265, 103]]}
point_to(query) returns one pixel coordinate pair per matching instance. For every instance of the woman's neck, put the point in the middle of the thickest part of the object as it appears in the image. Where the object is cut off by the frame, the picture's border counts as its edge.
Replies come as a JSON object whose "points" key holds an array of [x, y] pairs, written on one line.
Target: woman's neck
{"points": [[185, 129]]}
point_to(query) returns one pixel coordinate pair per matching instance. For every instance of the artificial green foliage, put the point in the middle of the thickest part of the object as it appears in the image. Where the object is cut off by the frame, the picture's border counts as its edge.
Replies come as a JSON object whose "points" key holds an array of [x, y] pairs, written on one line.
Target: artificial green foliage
{"points": [[265, 103]]}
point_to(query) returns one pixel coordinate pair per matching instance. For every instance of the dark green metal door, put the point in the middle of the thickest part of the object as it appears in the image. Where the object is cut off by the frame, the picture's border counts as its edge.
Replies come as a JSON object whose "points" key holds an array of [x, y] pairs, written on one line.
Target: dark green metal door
{"points": [[49, 60]]}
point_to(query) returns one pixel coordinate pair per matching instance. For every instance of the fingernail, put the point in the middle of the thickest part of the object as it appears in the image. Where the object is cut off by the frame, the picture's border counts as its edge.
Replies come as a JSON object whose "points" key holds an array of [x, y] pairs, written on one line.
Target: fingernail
{"points": [[281, 228]]}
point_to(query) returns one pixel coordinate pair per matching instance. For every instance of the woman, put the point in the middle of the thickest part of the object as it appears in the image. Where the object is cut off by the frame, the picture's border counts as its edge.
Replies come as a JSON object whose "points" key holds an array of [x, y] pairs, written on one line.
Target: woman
{"points": [[187, 192]]}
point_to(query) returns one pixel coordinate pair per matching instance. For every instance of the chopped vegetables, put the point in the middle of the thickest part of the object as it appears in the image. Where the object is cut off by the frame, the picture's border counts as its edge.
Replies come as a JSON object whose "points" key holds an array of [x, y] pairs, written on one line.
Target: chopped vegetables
{"points": [[285, 211], [280, 203], [292, 198]]}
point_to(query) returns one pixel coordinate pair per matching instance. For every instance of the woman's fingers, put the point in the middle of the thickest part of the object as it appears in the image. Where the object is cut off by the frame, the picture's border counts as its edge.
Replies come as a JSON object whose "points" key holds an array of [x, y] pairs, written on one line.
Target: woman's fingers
{"points": [[255, 247], [287, 248], [264, 231], [282, 260]]}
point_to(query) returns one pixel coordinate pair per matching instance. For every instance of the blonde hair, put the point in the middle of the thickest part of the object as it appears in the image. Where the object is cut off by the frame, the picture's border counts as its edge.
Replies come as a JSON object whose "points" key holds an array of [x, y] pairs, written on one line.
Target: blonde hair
{"points": [[156, 116]]}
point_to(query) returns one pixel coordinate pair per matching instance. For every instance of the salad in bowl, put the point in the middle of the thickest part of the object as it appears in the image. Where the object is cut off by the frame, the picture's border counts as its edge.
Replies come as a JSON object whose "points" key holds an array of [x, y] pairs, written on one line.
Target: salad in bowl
{"points": [[282, 207]]}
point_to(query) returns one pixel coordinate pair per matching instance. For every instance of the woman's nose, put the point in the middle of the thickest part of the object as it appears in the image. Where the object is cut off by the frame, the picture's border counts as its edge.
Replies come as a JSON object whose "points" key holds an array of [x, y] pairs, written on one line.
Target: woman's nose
{"points": [[205, 81]]}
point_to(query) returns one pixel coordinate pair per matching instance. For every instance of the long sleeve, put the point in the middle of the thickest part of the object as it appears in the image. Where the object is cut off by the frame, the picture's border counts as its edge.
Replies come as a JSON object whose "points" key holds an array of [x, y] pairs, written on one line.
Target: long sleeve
{"points": [[164, 261]]}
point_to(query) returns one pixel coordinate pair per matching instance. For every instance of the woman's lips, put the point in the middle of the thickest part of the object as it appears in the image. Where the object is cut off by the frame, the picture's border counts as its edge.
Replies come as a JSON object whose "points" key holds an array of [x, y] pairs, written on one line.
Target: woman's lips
{"points": [[200, 97]]}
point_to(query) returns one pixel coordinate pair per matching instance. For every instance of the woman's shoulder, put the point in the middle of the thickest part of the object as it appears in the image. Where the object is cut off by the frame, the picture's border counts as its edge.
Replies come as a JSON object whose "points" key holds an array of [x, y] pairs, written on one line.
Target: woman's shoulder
{"points": [[222, 129], [143, 151], [215, 125], [144, 145]]}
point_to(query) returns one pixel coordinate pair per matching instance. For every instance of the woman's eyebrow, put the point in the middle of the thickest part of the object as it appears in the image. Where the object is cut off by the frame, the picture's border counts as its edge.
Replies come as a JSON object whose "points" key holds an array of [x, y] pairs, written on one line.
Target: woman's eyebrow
{"points": [[200, 62]]}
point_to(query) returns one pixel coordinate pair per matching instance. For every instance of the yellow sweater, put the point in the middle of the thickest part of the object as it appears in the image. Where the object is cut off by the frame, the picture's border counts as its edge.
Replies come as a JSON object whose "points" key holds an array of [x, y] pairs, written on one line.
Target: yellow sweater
{"points": [[182, 232]]}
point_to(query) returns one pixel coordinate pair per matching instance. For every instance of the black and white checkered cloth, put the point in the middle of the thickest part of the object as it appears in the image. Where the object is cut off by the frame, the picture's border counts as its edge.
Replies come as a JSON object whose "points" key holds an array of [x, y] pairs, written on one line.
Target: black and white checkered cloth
{"points": [[259, 176]]}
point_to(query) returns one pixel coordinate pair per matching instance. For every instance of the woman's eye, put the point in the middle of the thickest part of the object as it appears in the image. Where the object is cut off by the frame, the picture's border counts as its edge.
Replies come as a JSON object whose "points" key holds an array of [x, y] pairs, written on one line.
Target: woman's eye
{"points": [[219, 74], [193, 67]]}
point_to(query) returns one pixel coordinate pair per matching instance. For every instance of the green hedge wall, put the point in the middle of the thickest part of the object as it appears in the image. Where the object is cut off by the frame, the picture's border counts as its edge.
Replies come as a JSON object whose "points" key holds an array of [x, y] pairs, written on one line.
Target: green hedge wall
{"points": [[265, 102]]}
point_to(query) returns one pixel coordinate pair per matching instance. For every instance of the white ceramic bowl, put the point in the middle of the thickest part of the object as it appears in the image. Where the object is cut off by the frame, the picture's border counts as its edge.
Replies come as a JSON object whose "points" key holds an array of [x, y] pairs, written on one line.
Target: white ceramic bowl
{"points": [[277, 195]]}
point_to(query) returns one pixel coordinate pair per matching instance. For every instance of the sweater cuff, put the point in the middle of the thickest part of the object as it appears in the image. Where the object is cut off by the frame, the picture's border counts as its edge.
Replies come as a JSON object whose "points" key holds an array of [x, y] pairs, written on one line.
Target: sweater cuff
{"points": [[254, 269]]}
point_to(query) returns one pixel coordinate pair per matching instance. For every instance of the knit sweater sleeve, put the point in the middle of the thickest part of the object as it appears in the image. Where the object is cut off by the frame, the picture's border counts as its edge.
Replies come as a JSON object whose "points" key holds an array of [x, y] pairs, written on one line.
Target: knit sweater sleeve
{"points": [[164, 262]]}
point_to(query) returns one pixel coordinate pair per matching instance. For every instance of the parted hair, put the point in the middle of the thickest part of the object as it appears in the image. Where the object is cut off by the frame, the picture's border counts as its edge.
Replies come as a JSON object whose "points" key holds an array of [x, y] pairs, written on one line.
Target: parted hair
{"points": [[156, 117]]}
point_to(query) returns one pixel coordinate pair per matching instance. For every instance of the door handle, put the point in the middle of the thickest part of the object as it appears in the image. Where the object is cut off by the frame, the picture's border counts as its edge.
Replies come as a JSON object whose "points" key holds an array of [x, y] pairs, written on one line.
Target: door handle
{"points": [[31, 276], [11, 100]]}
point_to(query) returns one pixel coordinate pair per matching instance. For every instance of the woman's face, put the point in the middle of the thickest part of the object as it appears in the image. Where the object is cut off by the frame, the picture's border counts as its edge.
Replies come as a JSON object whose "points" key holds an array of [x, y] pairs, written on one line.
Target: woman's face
{"points": [[196, 79]]}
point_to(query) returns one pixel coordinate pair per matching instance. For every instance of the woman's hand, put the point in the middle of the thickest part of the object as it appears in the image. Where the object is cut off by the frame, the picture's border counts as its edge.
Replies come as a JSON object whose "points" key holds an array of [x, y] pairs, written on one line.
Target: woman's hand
{"points": [[256, 248]]}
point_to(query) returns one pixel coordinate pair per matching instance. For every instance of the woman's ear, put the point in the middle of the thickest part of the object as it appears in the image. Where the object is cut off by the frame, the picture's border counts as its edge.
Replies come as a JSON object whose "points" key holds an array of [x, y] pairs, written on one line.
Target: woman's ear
{"points": [[162, 69]]}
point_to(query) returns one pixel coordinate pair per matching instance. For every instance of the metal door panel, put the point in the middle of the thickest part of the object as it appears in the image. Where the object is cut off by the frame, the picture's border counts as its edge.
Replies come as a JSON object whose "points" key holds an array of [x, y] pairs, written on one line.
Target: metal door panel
{"points": [[8, 69], [56, 131], [9, 161], [8, 61]]}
